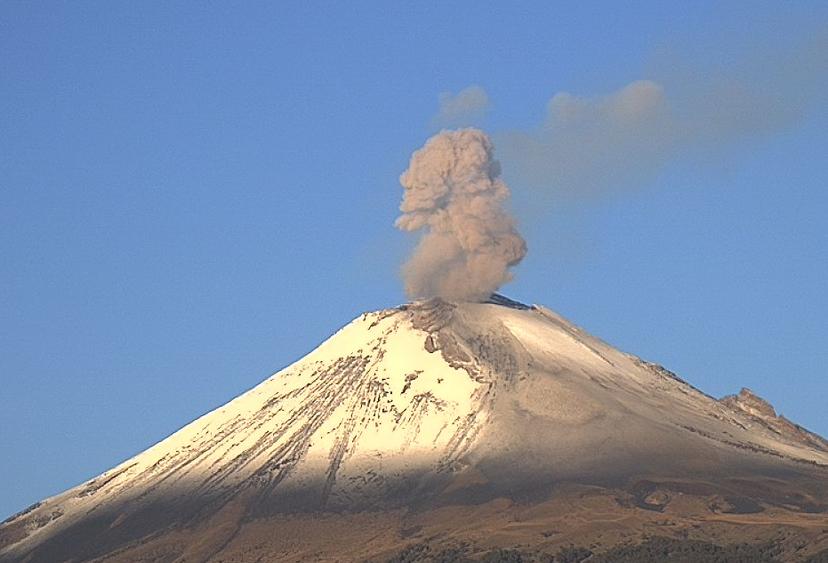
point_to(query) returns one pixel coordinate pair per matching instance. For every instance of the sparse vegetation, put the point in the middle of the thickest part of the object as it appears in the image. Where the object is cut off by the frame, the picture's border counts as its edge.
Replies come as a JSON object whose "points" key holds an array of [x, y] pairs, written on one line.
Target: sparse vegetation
{"points": [[422, 553], [654, 550], [690, 551], [572, 554], [821, 557], [504, 556]]}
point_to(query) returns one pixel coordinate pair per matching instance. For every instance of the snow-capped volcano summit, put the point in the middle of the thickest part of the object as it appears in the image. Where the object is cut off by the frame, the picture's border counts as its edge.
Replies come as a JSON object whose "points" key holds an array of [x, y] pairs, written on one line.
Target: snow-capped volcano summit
{"points": [[419, 407]]}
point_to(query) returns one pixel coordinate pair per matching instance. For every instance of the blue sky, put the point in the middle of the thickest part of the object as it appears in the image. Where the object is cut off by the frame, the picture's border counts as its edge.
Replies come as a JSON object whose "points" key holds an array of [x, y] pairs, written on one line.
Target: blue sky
{"points": [[193, 196]]}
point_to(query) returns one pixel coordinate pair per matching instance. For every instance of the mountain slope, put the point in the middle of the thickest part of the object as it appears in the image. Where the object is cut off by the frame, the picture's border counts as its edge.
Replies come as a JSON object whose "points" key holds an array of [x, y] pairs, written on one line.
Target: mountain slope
{"points": [[419, 409]]}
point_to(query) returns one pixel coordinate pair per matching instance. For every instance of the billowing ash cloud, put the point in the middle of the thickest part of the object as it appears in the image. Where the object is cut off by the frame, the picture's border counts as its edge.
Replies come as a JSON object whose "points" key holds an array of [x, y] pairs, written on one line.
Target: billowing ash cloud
{"points": [[587, 146], [590, 146], [454, 195]]}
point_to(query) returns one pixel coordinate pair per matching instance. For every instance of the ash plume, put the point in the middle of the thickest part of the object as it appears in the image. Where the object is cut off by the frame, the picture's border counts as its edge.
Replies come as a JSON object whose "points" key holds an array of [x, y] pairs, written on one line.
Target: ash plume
{"points": [[454, 196], [592, 146]]}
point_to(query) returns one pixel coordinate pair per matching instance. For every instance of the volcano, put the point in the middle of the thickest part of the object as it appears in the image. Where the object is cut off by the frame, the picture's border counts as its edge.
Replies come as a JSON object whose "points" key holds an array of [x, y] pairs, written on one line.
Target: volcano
{"points": [[450, 426]]}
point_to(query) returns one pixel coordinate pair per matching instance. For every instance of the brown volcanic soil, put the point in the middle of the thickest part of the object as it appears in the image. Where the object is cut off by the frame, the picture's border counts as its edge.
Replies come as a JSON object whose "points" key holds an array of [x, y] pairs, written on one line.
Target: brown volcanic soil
{"points": [[596, 518]]}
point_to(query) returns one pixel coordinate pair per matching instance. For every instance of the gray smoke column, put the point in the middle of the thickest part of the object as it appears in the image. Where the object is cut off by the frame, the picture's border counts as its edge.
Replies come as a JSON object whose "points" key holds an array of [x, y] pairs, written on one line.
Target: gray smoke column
{"points": [[454, 195]]}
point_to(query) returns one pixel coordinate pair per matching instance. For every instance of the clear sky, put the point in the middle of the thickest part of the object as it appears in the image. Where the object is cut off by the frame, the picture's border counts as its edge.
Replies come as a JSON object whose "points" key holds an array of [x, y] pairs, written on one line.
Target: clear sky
{"points": [[193, 195]]}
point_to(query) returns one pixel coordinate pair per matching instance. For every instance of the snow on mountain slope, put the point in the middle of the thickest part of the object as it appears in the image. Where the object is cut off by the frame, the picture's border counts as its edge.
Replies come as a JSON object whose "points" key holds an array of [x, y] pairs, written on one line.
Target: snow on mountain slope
{"points": [[416, 404]]}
